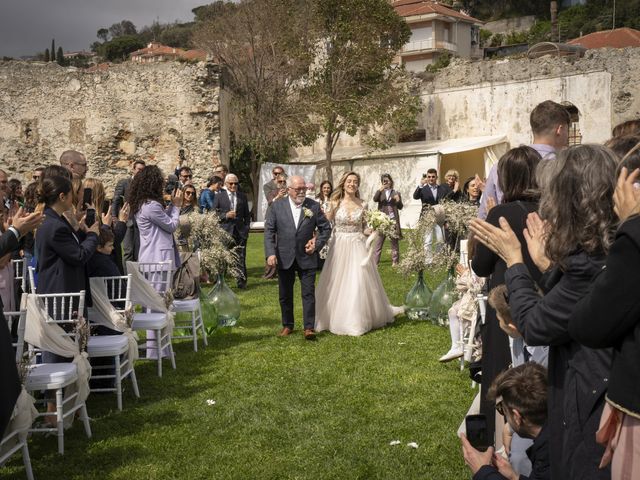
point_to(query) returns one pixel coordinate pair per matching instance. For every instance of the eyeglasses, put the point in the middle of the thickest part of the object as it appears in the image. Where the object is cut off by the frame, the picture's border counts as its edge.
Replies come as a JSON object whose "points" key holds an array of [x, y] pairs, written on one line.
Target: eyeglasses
{"points": [[36, 177], [278, 173], [301, 189], [232, 183], [189, 193]]}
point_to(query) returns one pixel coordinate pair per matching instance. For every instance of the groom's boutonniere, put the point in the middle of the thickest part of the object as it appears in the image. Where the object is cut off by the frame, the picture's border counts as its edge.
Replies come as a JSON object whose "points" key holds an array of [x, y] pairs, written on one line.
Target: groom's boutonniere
{"points": [[307, 212]]}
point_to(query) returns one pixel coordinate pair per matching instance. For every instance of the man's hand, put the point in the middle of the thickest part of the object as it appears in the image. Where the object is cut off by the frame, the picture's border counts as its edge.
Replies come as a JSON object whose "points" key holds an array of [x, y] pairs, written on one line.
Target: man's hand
{"points": [[231, 214], [123, 214], [272, 260], [95, 228], [504, 467], [474, 458], [423, 182], [24, 222], [310, 247]]}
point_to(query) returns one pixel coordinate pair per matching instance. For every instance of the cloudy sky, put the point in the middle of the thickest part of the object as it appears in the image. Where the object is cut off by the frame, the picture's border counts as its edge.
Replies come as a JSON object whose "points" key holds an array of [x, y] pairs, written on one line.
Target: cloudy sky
{"points": [[27, 26]]}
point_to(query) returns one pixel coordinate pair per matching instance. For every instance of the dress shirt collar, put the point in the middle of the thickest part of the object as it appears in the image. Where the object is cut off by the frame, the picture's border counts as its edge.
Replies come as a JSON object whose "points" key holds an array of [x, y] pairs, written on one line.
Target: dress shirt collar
{"points": [[293, 205]]}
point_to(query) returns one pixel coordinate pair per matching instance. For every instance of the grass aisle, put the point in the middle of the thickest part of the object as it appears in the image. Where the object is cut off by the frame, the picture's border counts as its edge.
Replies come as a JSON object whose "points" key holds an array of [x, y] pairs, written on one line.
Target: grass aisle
{"points": [[285, 408]]}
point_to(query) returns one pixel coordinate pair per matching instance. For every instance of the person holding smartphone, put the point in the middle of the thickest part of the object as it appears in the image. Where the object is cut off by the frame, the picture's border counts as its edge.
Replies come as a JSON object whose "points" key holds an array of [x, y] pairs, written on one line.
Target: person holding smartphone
{"points": [[390, 202], [520, 395]]}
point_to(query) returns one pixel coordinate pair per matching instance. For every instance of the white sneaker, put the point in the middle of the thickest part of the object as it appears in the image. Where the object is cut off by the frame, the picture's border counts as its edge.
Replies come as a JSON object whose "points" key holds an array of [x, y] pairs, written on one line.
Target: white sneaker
{"points": [[451, 355]]}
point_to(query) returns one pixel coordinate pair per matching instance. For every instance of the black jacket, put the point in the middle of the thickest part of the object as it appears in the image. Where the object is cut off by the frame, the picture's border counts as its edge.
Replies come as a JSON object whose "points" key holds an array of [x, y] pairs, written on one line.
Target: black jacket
{"points": [[578, 376], [424, 194], [538, 453], [8, 372], [610, 317], [239, 226], [61, 256]]}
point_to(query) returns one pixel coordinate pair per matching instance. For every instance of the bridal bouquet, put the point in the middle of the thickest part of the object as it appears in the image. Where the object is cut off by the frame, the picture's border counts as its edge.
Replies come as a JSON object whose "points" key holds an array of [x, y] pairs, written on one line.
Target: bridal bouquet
{"points": [[380, 222], [382, 225]]}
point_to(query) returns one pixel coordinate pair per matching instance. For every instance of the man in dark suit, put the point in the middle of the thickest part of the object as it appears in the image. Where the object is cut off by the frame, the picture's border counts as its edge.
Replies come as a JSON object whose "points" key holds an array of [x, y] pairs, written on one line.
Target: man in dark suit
{"points": [[233, 210], [289, 244], [429, 192], [130, 243], [8, 371]]}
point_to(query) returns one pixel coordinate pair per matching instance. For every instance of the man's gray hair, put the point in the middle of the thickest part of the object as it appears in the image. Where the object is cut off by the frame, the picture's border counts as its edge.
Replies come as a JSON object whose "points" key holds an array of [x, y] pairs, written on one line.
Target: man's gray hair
{"points": [[230, 176], [292, 178]]}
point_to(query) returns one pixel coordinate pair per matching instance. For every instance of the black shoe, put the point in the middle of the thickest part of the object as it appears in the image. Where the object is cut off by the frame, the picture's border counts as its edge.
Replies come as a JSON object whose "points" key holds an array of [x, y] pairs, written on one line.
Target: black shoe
{"points": [[242, 286]]}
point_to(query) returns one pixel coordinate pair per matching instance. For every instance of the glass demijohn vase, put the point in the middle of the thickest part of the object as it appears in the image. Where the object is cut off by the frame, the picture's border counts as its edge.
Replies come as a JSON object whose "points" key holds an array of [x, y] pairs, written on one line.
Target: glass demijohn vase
{"points": [[442, 300], [418, 299], [226, 303]]}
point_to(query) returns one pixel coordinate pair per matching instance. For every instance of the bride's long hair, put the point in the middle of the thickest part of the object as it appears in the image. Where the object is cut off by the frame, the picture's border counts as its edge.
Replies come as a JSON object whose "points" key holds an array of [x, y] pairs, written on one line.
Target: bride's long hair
{"points": [[338, 194]]}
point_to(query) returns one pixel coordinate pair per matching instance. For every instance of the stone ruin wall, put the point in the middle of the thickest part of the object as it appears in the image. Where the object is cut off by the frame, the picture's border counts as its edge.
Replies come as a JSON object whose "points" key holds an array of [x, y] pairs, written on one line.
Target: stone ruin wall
{"points": [[129, 111], [495, 97]]}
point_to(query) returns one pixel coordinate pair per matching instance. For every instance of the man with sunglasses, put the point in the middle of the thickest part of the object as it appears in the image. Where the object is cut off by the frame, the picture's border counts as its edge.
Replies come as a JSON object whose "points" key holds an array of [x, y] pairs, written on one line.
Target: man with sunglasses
{"points": [[520, 394], [233, 210]]}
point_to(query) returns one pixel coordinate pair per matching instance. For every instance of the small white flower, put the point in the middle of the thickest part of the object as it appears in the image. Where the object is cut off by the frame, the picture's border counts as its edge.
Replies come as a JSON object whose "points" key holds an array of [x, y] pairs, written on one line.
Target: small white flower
{"points": [[211, 402], [307, 212], [402, 343], [412, 445], [393, 443]]}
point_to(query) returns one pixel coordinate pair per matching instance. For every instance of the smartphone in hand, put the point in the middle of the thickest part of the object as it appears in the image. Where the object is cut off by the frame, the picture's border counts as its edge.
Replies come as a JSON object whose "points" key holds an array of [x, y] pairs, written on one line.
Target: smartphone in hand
{"points": [[90, 217], [478, 432], [87, 197]]}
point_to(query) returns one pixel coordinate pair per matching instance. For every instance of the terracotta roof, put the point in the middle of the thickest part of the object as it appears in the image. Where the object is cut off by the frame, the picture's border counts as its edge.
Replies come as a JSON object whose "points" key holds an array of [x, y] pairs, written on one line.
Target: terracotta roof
{"points": [[409, 8], [157, 49], [618, 38], [194, 55]]}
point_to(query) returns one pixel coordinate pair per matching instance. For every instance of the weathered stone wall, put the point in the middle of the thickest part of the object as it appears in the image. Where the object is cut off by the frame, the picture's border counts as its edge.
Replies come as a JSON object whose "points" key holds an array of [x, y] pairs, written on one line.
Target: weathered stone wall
{"points": [[128, 111], [495, 97]]}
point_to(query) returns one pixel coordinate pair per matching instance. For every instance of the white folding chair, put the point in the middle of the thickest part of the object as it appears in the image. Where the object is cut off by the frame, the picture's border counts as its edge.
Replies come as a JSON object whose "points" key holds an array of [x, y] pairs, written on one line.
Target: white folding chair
{"points": [[20, 272], [114, 346], [159, 276], [17, 438], [195, 322], [32, 280], [64, 310]]}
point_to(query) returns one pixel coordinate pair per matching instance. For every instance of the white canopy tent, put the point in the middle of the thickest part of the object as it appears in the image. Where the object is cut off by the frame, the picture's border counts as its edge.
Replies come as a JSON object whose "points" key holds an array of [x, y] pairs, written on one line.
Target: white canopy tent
{"points": [[405, 162]]}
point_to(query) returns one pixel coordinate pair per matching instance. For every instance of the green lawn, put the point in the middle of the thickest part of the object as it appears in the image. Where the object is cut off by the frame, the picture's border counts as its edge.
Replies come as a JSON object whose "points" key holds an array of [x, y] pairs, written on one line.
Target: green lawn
{"points": [[285, 408]]}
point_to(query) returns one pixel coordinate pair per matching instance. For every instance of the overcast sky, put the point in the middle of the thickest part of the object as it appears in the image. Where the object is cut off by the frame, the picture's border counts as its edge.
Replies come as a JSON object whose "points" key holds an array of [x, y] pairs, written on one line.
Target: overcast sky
{"points": [[27, 26]]}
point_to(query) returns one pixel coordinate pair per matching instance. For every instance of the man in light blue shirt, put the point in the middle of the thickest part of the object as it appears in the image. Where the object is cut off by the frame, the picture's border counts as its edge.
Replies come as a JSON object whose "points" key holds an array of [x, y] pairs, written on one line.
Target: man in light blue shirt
{"points": [[550, 123]]}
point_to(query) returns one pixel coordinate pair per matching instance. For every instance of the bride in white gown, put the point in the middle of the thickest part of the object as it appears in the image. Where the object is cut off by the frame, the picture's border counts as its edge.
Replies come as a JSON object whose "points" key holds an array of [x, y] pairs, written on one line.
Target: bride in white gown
{"points": [[350, 298]]}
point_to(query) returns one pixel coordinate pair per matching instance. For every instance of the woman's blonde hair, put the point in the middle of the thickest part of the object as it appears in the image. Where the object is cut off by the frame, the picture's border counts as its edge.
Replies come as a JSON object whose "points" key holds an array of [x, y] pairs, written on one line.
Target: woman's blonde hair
{"points": [[338, 194], [98, 195]]}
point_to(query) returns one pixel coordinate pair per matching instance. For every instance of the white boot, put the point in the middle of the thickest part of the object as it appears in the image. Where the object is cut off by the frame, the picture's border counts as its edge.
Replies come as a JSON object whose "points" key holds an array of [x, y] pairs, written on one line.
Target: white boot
{"points": [[454, 329]]}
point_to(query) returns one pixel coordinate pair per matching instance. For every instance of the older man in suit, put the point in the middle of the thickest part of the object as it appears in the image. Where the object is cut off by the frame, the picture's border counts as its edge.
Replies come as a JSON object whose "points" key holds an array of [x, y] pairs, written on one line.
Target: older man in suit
{"points": [[233, 210], [290, 243]]}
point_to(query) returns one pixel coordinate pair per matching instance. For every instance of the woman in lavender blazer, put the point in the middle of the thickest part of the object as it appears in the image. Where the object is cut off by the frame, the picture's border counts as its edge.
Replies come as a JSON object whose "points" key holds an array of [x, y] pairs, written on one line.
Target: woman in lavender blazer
{"points": [[156, 223]]}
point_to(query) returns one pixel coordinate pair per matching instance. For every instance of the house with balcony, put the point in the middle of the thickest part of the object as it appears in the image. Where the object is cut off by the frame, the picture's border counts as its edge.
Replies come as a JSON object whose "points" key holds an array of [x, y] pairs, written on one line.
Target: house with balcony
{"points": [[436, 29]]}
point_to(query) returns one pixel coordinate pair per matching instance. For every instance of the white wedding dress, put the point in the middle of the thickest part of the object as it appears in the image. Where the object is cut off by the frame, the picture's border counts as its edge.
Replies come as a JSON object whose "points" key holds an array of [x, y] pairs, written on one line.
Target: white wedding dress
{"points": [[350, 298]]}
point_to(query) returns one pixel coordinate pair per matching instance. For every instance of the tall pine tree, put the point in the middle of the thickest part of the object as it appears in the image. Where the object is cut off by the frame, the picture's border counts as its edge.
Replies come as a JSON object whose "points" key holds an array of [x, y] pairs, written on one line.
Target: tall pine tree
{"points": [[46, 55], [60, 57], [53, 49]]}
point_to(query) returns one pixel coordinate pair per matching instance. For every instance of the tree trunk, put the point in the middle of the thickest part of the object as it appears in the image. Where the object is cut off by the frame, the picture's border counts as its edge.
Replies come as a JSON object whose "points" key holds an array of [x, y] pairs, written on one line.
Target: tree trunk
{"points": [[328, 154], [254, 174], [555, 34]]}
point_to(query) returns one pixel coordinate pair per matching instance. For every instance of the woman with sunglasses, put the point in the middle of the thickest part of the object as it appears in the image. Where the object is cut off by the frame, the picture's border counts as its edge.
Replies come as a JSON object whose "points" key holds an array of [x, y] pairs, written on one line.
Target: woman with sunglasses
{"points": [[189, 205]]}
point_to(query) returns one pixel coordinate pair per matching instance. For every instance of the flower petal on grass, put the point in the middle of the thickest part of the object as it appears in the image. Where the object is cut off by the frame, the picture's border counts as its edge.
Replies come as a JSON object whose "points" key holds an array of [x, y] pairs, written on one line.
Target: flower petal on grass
{"points": [[395, 442], [412, 445], [211, 402]]}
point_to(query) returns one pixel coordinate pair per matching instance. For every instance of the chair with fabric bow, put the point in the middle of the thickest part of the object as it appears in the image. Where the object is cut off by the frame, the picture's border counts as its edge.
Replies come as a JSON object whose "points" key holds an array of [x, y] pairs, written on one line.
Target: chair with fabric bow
{"points": [[111, 301], [16, 434], [150, 286], [55, 324]]}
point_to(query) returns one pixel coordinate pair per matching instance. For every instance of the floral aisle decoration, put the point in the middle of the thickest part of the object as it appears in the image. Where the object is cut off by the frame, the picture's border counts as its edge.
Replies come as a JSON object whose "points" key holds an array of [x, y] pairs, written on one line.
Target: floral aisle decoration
{"points": [[381, 225], [217, 258], [420, 303]]}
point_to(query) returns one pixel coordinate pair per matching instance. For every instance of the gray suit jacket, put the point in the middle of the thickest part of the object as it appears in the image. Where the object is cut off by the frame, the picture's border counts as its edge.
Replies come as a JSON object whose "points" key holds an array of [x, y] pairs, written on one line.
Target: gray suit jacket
{"points": [[282, 239]]}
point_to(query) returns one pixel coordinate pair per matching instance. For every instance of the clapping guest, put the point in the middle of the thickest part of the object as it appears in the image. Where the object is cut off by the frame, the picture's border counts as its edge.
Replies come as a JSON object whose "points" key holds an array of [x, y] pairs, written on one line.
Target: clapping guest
{"points": [[471, 192], [390, 203], [516, 175], [571, 244], [452, 180]]}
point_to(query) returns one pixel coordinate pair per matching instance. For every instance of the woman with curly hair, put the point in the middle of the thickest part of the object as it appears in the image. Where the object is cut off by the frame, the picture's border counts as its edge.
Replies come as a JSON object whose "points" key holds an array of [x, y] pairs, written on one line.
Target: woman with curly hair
{"points": [[568, 241], [156, 223], [350, 296]]}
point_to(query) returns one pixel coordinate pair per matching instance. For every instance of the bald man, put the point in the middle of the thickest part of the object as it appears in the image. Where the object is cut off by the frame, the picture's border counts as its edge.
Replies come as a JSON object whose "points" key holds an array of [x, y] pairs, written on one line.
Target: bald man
{"points": [[75, 162]]}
